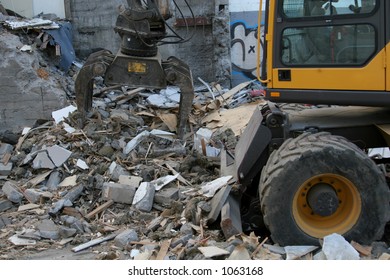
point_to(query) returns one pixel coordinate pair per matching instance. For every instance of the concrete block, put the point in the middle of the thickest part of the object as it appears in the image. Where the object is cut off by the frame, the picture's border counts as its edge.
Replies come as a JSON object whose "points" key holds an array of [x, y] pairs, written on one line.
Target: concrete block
{"points": [[166, 196], [125, 237], [54, 180], [5, 149], [144, 197], [12, 192], [42, 161], [130, 180], [58, 155], [231, 218], [48, 229], [33, 195], [5, 169], [4, 221], [66, 232], [118, 193], [5, 205]]}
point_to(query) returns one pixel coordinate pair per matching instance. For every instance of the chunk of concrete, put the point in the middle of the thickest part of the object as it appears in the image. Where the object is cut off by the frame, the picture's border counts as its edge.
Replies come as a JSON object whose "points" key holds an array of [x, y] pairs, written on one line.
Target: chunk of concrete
{"points": [[12, 193], [166, 196], [42, 161], [4, 221], [5, 169], [144, 197], [48, 229], [33, 195], [5, 149], [54, 180], [66, 232], [125, 237], [118, 193], [335, 247], [231, 218], [130, 180], [58, 155], [5, 205], [116, 170]]}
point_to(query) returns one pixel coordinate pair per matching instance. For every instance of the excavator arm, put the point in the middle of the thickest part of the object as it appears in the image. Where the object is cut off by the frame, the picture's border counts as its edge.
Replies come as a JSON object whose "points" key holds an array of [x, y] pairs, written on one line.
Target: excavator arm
{"points": [[138, 63]]}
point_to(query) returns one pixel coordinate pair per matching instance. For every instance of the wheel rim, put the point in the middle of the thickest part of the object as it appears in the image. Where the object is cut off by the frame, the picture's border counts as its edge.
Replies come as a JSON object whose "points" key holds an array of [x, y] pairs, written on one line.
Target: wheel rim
{"points": [[341, 221]]}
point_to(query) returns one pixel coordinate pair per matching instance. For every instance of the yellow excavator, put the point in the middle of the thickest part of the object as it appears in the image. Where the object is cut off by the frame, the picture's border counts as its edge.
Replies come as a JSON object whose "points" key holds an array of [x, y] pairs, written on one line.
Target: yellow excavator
{"points": [[310, 170], [303, 174]]}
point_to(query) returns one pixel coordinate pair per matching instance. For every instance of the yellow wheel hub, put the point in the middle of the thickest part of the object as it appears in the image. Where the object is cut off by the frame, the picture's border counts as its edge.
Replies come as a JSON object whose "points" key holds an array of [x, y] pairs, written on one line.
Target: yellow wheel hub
{"points": [[341, 221]]}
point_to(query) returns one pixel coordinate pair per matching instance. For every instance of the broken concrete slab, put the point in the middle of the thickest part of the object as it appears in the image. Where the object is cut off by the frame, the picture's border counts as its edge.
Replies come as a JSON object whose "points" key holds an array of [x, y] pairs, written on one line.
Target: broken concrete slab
{"points": [[217, 203], [54, 180], [231, 217], [118, 193], [130, 180], [4, 221], [33, 195], [166, 196], [116, 171], [12, 192], [69, 181], [5, 169], [66, 232], [144, 197], [124, 238], [67, 200], [48, 229], [42, 161], [335, 247], [5, 205], [58, 155]]}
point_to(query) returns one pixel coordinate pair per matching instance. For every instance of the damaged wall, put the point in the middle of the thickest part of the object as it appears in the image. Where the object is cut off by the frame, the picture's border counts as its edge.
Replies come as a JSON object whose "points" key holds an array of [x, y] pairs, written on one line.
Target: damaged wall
{"points": [[27, 91], [31, 8], [93, 24], [207, 53]]}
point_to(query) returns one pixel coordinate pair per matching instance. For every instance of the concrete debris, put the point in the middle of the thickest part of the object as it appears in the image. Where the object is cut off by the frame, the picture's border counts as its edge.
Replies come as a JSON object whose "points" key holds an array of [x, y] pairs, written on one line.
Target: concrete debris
{"points": [[124, 182], [335, 247], [12, 192], [118, 193]]}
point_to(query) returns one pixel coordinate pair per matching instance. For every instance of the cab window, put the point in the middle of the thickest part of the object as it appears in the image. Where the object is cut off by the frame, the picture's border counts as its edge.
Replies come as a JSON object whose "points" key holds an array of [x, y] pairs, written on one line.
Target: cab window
{"points": [[316, 8], [328, 45]]}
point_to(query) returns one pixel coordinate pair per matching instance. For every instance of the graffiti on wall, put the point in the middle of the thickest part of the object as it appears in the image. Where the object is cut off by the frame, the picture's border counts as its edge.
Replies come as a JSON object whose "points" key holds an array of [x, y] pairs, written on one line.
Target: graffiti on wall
{"points": [[244, 49]]}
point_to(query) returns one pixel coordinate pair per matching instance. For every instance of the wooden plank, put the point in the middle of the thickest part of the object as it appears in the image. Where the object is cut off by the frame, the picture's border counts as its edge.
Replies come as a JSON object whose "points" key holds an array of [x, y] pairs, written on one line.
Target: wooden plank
{"points": [[363, 250], [163, 250], [99, 209]]}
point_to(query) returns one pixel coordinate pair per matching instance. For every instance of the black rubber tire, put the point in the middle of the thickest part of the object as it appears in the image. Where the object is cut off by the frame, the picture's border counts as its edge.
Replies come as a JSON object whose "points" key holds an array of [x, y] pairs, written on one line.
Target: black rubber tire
{"points": [[308, 155]]}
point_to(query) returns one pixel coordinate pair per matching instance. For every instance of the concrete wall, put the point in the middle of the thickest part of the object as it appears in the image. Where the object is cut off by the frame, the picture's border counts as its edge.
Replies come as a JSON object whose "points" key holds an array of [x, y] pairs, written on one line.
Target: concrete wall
{"points": [[93, 25], [207, 53], [31, 8]]}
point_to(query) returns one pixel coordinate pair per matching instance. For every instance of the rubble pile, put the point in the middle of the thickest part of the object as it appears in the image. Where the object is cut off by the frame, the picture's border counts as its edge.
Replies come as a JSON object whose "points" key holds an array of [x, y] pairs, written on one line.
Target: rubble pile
{"points": [[125, 187]]}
